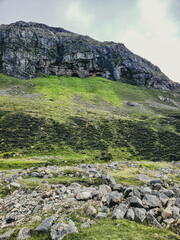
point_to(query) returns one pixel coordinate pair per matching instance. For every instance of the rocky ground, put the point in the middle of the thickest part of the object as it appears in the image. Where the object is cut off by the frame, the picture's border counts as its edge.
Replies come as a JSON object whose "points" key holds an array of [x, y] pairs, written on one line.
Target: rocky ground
{"points": [[154, 201]]}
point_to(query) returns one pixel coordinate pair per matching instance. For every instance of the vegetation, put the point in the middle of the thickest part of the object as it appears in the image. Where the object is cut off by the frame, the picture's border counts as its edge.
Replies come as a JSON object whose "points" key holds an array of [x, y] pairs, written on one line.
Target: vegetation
{"points": [[72, 117]]}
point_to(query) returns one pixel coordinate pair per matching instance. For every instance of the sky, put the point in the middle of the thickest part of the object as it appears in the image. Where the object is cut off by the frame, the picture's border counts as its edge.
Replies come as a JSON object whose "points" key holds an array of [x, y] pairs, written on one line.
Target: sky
{"points": [[149, 28]]}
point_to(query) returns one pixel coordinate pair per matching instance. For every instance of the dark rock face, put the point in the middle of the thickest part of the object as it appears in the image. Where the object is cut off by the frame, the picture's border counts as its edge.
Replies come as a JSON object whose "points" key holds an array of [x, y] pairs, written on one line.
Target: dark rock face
{"points": [[27, 49]]}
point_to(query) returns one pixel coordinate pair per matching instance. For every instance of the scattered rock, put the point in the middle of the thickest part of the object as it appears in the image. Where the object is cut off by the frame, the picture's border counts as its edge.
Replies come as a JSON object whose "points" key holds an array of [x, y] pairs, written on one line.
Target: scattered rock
{"points": [[46, 224], [23, 234], [140, 214], [120, 211], [63, 228]]}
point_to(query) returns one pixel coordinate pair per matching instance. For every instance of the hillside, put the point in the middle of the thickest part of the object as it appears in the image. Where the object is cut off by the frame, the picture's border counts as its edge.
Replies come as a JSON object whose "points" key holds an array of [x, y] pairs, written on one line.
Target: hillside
{"points": [[92, 116], [28, 49], [76, 155]]}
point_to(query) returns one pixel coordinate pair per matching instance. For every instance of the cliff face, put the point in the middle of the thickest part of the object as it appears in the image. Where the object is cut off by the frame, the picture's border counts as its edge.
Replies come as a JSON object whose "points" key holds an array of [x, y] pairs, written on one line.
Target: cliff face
{"points": [[27, 49]]}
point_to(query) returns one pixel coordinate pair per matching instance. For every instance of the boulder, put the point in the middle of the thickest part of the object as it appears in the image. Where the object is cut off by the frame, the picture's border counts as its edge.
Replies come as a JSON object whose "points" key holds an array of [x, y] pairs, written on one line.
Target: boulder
{"points": [[177, 203], [151, 221], [46, 224], [119, 212], [130, 214], [114, 198], [7, 234], [62, 228], [101, 215], [151, 201], [140, 214], [167, 213], [83, 195], [23, 234], [91, 211], [136, 202]]}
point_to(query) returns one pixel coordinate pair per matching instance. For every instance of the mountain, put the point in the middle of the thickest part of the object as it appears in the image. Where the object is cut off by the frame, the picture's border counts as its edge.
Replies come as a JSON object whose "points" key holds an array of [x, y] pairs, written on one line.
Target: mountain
{"points": [[30, 49]]}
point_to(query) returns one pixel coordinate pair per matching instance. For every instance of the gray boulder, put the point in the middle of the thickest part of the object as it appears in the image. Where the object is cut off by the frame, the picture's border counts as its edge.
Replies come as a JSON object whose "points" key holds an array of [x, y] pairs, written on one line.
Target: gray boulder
{"points": [[23, 234], [62, 228], [114, 198], [177, 203], [7, 234], [140, 214], [151, 201], [120, 211], [83, 195], [46, 224], [136, 202], [101, 215], [130, 214], [91, 211], [151, 220]]}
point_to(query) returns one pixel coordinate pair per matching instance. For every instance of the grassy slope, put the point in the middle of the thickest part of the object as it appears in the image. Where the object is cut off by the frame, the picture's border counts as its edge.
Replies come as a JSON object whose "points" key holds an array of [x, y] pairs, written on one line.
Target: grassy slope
{"points": [[85, 119], [82, 120]]}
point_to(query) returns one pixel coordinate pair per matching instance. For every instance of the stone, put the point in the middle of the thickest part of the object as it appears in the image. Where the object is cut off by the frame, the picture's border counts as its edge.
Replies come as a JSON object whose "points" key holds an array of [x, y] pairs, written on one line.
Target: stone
{"points": [[113, 61], [144, 178], [169, 193], [46, 224], [145, 190], [151, 221], [119, 212], [85, 225], [91, 211], [167, 213], [83, 195], [130, 214], [101, 215], [176, 213], [15, 184], [23, 234], [177, 203], [117, 187], [136, 202], [114, 198], [7, 234], [140, 214], [62, 228], [151, 201]]}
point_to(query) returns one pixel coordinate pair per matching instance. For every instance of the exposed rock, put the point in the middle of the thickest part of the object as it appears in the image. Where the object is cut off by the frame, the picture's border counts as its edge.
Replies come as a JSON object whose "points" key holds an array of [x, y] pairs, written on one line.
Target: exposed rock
{"points": [[101, 215], [91, 211], [167, 213], [29, 48], [85, 225], [62, 228], [83, 195], [151, 201], [46, 224], [136, 202], [15, 184], [114, 198], [140, 214], [119, 212], [130, 214], [177, 203], [23, 234], [7, 234], [151, 220]]}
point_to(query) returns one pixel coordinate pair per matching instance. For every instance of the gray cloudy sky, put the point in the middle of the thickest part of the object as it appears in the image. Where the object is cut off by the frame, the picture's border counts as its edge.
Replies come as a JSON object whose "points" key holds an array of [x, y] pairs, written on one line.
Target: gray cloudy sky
{"points": [[150, 28]]}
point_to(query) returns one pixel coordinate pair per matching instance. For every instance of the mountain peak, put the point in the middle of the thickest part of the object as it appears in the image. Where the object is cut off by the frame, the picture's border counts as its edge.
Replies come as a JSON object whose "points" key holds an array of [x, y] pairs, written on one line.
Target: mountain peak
{"points": [[27, 48]]}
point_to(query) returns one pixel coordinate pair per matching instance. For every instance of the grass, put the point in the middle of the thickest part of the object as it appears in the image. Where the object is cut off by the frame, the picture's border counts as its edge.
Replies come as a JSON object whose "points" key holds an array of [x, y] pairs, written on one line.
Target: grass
{"points": [[66, 116], [121, 229]]}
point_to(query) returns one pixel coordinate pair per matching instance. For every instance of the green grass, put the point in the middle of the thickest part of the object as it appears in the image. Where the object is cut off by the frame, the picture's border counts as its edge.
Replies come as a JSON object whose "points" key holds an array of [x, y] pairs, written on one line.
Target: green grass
{"points": [[121, 229], [67, 116]]}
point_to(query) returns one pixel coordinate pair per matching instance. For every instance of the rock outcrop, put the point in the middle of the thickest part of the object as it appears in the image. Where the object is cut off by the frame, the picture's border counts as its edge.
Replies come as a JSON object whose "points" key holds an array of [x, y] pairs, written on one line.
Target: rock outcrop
{"points": [[30, 49]]}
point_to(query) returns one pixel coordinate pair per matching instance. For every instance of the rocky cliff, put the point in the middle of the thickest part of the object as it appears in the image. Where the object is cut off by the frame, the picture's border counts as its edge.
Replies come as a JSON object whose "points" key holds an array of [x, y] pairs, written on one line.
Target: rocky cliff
{"points": [[28, 49]]}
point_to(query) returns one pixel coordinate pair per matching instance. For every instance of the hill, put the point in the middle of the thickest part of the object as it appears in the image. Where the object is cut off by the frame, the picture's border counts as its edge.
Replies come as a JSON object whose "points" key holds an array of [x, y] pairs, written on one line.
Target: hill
{"points": [[27, 49]]}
